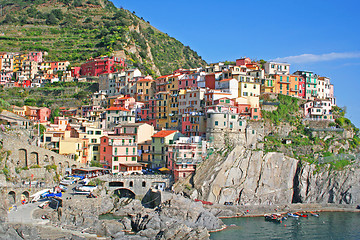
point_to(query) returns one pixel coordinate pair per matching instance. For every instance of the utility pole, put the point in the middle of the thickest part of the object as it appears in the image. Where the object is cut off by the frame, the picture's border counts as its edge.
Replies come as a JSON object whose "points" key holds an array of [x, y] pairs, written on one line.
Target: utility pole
{"points": [[38, 142]]}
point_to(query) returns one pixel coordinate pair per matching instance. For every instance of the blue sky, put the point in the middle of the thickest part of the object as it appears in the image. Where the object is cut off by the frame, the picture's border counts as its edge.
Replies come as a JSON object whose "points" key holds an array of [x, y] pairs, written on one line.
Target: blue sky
{"points": [[318, 35]]}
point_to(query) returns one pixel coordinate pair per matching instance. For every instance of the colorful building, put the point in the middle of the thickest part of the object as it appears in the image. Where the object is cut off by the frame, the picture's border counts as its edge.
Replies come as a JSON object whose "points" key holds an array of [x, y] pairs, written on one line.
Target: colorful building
{"points": [[117, 152], [159, 146], [101, 65]]}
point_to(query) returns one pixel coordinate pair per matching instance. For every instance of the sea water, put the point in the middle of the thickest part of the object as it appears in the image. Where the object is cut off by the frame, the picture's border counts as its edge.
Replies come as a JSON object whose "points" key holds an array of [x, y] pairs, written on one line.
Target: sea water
{"points": [[330, 225]]}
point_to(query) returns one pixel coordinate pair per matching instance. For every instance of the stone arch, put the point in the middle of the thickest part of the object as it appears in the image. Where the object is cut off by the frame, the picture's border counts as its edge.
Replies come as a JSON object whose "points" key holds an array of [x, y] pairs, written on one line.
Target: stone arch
{"points": [[12, 197], [143, 184], [125, 193], [23, 157], [52, 160], [60, 167], [34, 159], [25, 196], [73, 166], [67, 164], [131, 184], [46, 159]]}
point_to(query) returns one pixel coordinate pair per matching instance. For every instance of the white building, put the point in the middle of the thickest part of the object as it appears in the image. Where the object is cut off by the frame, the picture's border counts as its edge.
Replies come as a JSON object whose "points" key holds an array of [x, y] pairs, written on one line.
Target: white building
{"points": [[277, 68]]}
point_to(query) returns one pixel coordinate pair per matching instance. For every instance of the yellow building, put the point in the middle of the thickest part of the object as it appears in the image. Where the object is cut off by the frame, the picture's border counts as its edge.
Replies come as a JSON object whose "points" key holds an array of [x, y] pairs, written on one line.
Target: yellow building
{"points": [[267, 85], [18, 61], [248, 86]]}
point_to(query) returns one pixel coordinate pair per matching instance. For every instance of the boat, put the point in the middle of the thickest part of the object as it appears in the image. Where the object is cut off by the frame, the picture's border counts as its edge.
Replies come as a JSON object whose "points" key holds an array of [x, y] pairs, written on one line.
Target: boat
{"points": [[314, 214], [273, 218], [301, 215], [293, 215], [44, 204]]}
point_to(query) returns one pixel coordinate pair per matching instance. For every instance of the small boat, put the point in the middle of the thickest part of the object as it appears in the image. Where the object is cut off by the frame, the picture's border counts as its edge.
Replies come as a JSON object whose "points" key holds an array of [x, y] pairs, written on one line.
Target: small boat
{"points": [[44, 204], [273, 218], [314, 214], [293, 215], [301, 215]]}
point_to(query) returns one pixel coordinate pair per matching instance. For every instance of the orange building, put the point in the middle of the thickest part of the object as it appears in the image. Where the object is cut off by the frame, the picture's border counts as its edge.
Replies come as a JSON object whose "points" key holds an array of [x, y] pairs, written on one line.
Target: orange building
{"points": [[287, 85]]}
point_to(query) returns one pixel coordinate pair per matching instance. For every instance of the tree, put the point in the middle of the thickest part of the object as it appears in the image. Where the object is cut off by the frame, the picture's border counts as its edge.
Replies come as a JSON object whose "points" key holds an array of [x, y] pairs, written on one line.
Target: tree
{"points": [[57, 13], [54, 113], [51, 19]]}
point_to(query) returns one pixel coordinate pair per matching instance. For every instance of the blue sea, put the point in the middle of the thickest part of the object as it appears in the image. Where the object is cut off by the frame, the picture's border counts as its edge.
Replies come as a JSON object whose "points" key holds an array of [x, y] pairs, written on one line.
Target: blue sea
{"points": [[330, 225]]}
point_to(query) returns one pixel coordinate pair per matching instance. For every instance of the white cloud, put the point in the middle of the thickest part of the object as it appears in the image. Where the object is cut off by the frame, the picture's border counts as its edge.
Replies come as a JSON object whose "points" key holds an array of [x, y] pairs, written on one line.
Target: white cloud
{"points": [[303, 58]]}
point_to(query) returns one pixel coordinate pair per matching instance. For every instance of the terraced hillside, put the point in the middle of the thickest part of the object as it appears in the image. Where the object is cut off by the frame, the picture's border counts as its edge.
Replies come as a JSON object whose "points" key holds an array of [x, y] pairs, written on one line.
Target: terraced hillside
{"points": [[75, 30]]}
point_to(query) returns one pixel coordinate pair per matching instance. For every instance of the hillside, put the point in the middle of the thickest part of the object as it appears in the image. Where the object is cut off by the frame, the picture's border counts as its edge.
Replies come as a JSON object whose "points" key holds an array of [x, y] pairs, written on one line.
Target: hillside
{"points": [[76, 30]]}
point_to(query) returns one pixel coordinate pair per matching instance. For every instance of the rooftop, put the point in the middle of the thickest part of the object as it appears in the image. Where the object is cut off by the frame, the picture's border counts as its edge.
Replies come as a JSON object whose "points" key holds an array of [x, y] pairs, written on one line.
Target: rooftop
{"points": [[164, 133]]}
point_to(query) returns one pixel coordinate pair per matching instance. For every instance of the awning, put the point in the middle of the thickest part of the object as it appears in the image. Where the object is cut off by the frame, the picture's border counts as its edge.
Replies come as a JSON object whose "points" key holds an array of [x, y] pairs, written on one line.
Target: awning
{"points": [[164, 169]]}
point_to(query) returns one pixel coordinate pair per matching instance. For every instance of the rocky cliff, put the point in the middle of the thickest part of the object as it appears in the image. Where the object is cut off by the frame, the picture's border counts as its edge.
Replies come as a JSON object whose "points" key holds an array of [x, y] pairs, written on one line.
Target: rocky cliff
{"points": [[245, 177]]}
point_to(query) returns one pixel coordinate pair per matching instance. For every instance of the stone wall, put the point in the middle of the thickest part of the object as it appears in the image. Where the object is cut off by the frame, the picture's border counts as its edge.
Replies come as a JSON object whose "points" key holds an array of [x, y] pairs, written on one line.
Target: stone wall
{"points": [[23, 155], [139, 184]]}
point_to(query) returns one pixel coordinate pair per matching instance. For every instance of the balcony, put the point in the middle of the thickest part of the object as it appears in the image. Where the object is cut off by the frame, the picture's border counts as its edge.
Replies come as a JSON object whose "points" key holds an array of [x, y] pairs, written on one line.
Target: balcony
{"points": [[284, 81], [294, 90]]}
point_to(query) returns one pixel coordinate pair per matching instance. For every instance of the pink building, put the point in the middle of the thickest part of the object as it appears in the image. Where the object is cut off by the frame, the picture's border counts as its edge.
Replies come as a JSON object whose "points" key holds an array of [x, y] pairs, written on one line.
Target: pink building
{"points": [[188, 81], [148, 113], [101, 65], [243, 61], [36, 57], [117, 152], [36, 113], [5, 77], [184, 155], [124, 102]]}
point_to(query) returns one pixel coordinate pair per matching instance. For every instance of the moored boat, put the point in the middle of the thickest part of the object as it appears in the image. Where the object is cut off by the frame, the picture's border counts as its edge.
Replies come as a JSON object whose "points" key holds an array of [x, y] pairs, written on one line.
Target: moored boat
{"points": [[301, 215], [273, 218], [314, 214], [293, 215]]}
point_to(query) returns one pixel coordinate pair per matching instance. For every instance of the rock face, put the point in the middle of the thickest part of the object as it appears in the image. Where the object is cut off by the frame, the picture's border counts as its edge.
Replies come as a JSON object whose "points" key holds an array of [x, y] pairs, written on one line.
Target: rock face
{"points": [[247, 177], [314, 186], [176, 218]]}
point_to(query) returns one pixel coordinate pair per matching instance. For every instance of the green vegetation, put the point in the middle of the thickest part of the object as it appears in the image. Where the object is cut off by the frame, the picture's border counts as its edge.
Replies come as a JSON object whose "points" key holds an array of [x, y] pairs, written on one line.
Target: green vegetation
{"points": [[52, 95], [76, 30], [286, 111], [95, 164], [96, 182], [49, 167], [35, 166]]}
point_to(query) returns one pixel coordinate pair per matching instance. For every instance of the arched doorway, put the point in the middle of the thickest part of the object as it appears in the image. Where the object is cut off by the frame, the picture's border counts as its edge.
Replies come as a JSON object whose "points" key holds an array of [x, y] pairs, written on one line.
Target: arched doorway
{"points": [[46, 159], [125, 193], [12, 197], [25, 196], [67, 164], [34, 159], [23, 157], [52, 160]]}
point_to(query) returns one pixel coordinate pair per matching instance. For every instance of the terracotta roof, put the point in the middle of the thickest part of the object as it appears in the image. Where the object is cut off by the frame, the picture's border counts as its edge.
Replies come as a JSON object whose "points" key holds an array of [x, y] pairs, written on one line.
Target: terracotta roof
{"points": [[228, 79], [117, 109], [164, 133], [145, 80]]}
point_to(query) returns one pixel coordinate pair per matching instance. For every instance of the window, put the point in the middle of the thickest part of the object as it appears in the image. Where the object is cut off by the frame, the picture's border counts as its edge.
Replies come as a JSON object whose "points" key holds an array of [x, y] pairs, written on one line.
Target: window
{"points": [[95, 148], [216, 123], [104, 150], [255, 110], [240, 123], [116, 159]]}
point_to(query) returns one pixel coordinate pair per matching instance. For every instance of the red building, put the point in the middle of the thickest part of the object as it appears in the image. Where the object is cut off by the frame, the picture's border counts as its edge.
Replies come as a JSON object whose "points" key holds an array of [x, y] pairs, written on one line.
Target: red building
{"points": [[148, 113], [75, 72], [101, 65], [302, 88]]}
